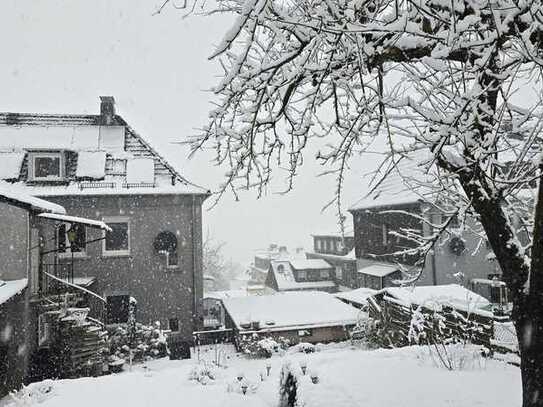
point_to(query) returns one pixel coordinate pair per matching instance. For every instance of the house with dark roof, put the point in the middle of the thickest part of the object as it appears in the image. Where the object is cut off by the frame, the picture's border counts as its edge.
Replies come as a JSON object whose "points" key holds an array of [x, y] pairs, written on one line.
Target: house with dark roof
{"points": [[337, 249], [97, 166], [405, 202]]}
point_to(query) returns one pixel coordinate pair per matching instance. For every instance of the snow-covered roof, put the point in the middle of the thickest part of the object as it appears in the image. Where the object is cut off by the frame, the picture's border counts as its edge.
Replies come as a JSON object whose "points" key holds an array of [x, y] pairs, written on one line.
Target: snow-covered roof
{"points": [[222, 295], [309, 264], [294, 310], [8, 289], [378, 270], [434, 297], [100, 159], [91, 164], [285, 280], [334, 233], [405, 183], [358, 296], [19, 196], [349, 256], [75, 219]]}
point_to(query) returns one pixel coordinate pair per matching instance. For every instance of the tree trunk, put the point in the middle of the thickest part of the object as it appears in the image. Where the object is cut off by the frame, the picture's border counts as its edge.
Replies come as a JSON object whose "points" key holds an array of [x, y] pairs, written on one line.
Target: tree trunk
{"points": [[528, 319]]}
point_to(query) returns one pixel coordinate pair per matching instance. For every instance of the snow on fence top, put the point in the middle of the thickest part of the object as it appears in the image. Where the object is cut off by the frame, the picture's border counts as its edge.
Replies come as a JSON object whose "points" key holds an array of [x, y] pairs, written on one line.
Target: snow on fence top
{"points": [[434, 297], [8, 289], [16, 194], [283, 311]]}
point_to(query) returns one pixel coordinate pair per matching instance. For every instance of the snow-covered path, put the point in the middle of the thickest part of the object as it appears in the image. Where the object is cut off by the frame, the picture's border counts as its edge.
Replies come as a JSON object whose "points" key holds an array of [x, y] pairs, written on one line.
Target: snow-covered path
{"points": [[348, 377]]}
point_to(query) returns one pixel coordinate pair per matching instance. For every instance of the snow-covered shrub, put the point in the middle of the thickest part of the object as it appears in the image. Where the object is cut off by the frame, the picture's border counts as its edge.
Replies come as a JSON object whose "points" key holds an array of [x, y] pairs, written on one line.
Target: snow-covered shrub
{"points": [[146, 342], [257, 347], [304, 347], [203, 373], [33, 394]]}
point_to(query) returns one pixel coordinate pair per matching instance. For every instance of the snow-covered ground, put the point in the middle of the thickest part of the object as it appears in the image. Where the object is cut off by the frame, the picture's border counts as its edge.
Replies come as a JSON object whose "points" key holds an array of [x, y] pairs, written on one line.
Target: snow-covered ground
{"points": [[348, 376]]}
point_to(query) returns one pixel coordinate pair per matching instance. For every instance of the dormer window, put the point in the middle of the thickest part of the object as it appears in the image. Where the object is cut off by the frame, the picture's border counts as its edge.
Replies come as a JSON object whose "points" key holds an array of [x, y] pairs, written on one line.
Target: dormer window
{"points": [[46, 166]]}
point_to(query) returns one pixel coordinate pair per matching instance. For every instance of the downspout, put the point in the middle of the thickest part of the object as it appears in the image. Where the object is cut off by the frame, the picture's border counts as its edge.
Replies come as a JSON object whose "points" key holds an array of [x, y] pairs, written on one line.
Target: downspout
{"points": [[194, 316]]}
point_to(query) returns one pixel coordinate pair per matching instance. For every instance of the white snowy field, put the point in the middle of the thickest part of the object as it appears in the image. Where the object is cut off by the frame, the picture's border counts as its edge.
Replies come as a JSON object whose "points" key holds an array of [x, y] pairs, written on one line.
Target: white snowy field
{"points": [[347, 377]]}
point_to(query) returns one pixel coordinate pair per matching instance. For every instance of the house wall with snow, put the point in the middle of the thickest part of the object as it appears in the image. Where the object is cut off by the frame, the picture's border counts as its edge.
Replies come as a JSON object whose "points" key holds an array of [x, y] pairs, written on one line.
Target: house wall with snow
{"points": [[100, 168], [453, 262], [163, 291]]}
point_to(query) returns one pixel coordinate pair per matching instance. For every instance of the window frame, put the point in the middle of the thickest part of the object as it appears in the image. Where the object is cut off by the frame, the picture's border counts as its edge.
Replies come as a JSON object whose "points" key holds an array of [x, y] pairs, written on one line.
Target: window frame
{"points": [[46, 154], [302, 275], [172, 266], [116, 253], [68, 252], [324, 274], [339, 273]]}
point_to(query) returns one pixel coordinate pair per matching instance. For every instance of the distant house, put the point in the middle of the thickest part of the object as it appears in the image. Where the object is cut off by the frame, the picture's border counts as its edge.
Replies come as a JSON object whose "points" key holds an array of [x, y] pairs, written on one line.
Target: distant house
{"points": [[97, 166], [298, 316], [301, 275], [338, 251], [380, 217], [258, 270]]}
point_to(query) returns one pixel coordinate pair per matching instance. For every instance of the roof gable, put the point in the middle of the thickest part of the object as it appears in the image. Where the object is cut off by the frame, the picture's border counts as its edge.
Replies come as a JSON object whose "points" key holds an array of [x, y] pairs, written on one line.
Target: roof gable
{"points": [[79, 137]]}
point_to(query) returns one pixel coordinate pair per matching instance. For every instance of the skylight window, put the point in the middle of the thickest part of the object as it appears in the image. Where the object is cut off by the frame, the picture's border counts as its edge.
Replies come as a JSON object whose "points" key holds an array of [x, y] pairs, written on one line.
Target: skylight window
{"points": [[46, 166]]}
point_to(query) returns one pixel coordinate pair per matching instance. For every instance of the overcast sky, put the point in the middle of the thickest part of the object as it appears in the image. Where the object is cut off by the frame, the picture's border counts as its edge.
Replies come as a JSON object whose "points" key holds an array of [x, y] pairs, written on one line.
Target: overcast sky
{"points": [[59, 56]]}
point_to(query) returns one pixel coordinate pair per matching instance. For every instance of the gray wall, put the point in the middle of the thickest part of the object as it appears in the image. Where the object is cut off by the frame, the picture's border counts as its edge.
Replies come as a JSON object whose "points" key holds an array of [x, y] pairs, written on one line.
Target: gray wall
{"points": [[471, 263], [13, 247], [162, 293], [16, 342]]}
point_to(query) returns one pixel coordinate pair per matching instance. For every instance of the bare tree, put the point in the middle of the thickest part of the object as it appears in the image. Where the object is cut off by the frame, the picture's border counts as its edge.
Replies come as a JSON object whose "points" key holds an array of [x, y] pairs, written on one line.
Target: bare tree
{"points": [[433, 76], [216, 264]]}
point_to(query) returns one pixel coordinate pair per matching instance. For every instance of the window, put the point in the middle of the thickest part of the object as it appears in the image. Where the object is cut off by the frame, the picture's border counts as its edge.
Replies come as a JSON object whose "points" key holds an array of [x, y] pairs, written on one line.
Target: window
{"points": [[324, 274], [166, 244], [339, 273], [319, 244], [117, 241], [174, 324], [46, 166], [72, 239], [385, 234], [302, 275]]}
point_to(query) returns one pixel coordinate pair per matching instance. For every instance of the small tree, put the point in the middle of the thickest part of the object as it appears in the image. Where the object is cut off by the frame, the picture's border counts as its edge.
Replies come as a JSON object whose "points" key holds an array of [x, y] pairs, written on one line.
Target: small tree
{"points": [[423, 76]]}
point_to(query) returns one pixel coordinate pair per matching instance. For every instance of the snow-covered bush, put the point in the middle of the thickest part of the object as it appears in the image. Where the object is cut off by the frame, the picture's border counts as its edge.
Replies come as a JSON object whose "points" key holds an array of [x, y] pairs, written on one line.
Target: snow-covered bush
{"points": [[146, 342], [303, 347], [203, 373], [257, 347]]}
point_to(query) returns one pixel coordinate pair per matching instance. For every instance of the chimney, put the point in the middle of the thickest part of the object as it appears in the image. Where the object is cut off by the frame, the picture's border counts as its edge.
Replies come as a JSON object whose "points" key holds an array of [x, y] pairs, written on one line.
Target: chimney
{"points": [[107, 110]]}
